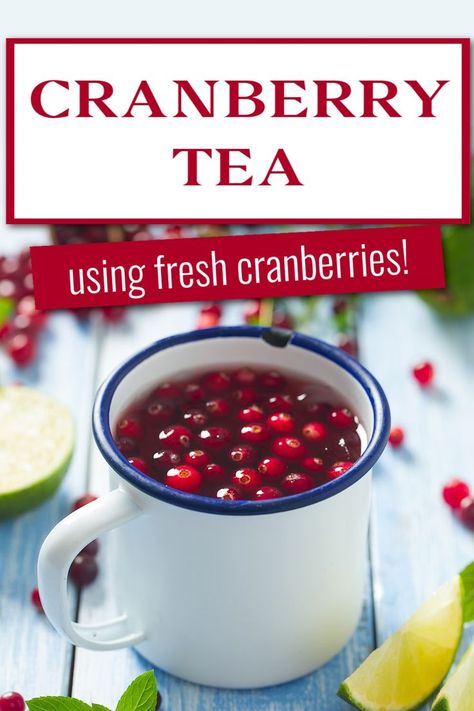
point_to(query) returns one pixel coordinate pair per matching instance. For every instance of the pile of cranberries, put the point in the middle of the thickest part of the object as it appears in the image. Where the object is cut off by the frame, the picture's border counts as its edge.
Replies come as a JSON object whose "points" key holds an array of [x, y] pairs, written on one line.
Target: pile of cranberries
{"points": [[241, 434]]}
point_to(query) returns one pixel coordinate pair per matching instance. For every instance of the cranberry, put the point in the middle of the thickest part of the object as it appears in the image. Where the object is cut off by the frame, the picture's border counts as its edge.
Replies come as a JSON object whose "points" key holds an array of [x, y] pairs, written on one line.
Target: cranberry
{"points": [[6, 330], [214, 473], [245, 376], [12, 701], [272, 468], [280, 403], [113, 314], [126, 446], [228, 494], [281, 422], [342, 417], [83, 501], [338, 469], [194, 392], [176, 436], [185, 478], [289, 448], [129, 427], [196, 419], [296, 483], [254, 413], [466, 512], [197, 458], [244, 396], [396, 436], [314, 431], [164, 459], [454, 492], [272, 380], [36, 600], [212, 309], [340, 306], [348, 345], [255, 432], [316, 409], [266, 492], [216, 382], [242, 454], [84, 570], [281, 319], [215, 437], [8, 289], [218, 407], [423, 373], [139, 464], [314, 464], [252, 312], [22, 349], [92, 548], [166, 391], [207, 320], [160, 412], [246, 480]]}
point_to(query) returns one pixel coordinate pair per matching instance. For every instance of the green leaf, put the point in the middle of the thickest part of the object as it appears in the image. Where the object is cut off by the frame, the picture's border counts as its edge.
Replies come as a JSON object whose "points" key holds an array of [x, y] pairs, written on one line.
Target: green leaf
{"points": [[140, 695], [56, 703], [467, 584], [99, 707], [6, 308]]}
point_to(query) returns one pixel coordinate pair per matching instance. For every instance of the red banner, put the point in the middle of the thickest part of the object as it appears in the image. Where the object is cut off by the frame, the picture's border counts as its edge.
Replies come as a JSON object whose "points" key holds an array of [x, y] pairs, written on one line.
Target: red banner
{"points": [[234, 267]]}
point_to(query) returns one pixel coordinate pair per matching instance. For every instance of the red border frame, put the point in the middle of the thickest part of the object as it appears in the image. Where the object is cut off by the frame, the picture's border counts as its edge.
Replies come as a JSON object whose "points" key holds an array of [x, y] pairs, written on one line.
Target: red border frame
{"points": [[10, 126]]}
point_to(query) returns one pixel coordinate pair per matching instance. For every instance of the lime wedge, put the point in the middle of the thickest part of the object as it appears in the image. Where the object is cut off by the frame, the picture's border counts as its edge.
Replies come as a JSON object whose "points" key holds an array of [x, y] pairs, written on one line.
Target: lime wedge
{"points": [[458, 692], [411, 664], [36, 445]]}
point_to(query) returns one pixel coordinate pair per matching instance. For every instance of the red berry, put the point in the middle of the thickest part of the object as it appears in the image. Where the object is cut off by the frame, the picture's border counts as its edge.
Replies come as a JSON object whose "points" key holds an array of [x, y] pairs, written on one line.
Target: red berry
{"points": [[396, 436], [212, 309], [215, 437], [280, 403], [129, 427], [254, 413], [207, 320], [314, 464], [245, 376], [454, 492], [338, 469], [266, 492], [217, 407], [246, 480], [272, 380], [166, 391], [84, 570], [22, 349], [139, 464], [244, 396], [256, 432], [252, 312], [214, 473], [160, 412], [194, 392], [317, 410], [242, 454], [6, 330], [36, 600], [296, 483], [314, 431], [197, 458], [83, 501], [185, 478], [289, 448], [228, 494], [281, 422], [348, 345], [12, 701], [92, 548], [216, 382], [113, 314], [342, 417], [272, 468], [423, 373], [126, 446], [164, 459], [466, 512], [196, 419], [281, 319], [175, 436]]}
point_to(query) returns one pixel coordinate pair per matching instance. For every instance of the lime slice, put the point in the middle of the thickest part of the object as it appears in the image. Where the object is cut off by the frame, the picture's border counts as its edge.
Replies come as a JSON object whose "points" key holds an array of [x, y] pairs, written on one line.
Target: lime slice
{"points": [[458, 692], [412, 663], [36, 445]]}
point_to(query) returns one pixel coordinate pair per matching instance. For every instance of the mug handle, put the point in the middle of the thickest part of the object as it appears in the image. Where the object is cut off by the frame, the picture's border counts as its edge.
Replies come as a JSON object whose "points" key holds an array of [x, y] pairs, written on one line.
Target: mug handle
{"points": [[60, 548]]}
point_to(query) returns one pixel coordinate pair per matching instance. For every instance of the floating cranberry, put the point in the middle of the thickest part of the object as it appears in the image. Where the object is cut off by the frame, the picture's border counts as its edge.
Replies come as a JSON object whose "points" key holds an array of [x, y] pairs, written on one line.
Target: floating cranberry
{"points": [[197, 458], [266, 492], [289, 448], [196, 419], [245, 376], [246, 480], [194, 392], [185, 478], [129, 427], [314, 431], [244, 396], [296, 483], [228, 494], [218, 407], [164, 459], [272, 468], [280, 403], [454, 492], [84, 570], [215, 437], [396, 437], [338, 469], [175, 436], [254, 413], [22, 349], [160, 412], [36, 600], [216, 382], [214, 473], [126, 446], [83, 501], [272, 380], [466, 512], [342, 417], [423, 373], [256, 432], [281, 422], [92, 548], [139, 464], [166, 391], [12, 701], [242, 454], [314, 464]]}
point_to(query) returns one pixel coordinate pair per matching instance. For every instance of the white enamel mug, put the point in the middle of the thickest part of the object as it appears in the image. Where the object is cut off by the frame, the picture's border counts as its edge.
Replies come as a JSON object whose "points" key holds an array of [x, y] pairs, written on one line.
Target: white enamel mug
{"points": [[235, 594]]}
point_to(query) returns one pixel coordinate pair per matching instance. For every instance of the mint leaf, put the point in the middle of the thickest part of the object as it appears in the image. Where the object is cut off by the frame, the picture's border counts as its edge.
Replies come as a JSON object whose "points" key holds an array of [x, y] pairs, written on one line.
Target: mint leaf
{"points": [[467, 585], [56, 703], [99, 707], [141, 694], [6, 308]]}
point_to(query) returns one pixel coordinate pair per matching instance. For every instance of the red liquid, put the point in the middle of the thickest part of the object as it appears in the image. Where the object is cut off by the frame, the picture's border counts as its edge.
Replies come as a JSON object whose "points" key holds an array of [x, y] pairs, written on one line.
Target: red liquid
{"points": [[240, 434]]}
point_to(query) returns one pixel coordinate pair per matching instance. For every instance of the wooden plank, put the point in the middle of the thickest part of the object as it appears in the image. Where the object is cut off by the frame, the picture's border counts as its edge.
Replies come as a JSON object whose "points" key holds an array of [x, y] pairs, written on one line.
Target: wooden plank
{"points": [[101, 677]]}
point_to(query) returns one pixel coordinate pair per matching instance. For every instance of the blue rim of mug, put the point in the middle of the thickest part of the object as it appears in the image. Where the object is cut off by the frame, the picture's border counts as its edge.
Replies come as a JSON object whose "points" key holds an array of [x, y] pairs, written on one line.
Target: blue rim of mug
{"points": [[119, 463]]}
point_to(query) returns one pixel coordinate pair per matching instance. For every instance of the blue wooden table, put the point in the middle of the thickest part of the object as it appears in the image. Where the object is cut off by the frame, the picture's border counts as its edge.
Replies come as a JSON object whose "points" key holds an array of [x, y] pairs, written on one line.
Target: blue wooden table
{"points": [[415, 544]]}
